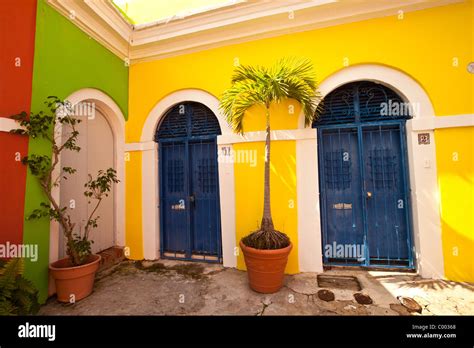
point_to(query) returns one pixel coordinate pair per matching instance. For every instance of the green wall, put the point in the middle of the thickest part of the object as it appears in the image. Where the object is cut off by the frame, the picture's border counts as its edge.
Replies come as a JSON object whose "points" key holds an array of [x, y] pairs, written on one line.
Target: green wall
{"points": [[66, 60]]}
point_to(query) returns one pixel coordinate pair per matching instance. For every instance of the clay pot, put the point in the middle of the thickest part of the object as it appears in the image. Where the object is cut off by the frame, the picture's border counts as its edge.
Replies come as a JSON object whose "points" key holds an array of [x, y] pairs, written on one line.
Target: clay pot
{"points": [[74, 280], [265, 268]]}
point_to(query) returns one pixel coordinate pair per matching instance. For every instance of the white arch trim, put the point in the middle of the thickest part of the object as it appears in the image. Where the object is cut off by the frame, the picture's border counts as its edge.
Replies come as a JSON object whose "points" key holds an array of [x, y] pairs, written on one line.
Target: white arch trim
{"points": [[150, 186], [403, 84], [192, 95], [422, 173], [116, 121]]}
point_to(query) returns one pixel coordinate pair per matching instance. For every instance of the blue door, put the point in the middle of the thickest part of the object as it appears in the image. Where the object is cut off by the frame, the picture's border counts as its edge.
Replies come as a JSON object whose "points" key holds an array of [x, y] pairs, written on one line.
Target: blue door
{"points": [[189, 188], [341, 180], [174, 201], [205, 239], [385, 195], [364, 184]]}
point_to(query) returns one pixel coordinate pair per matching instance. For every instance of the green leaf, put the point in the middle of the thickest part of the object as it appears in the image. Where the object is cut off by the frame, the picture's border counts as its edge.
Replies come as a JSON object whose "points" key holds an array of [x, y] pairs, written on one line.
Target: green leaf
{"points": [[289, 78]]}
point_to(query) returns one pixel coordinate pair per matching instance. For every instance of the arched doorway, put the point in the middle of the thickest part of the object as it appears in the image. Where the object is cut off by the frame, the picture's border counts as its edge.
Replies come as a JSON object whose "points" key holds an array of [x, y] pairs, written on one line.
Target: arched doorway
{"points": [[364, 182], [189, 183], [97, 142]]}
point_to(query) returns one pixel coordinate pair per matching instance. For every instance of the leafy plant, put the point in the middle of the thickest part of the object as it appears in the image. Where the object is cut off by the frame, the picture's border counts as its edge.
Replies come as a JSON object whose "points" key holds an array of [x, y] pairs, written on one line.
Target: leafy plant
{"points": [[43, 167], [289, 78], [18, 296]]}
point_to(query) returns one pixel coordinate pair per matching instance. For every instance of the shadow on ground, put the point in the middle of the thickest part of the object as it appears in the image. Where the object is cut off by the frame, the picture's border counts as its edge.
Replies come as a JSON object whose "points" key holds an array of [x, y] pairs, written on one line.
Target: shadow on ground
{"points": [[183, 288]]}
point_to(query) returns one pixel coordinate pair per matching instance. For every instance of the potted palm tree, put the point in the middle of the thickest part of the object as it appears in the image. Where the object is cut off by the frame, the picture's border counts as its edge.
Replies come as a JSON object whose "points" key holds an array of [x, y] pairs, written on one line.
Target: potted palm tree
{"points": [[266, 250], [74, 275]]}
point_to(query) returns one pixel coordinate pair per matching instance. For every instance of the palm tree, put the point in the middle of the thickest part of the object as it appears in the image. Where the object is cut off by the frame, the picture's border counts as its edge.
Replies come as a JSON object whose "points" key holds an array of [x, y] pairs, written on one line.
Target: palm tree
{"points": [[289, 78]]}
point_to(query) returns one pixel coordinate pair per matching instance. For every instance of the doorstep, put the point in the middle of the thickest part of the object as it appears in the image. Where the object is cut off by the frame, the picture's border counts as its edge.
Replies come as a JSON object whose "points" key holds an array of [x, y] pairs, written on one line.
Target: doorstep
{"points": [[110, 257]]}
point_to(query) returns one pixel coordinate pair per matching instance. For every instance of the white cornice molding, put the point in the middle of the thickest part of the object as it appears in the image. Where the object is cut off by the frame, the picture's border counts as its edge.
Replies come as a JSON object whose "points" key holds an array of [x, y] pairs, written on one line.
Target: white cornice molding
{"points": [[240, 13], [241, 22], [112, 16], [100, 28]]}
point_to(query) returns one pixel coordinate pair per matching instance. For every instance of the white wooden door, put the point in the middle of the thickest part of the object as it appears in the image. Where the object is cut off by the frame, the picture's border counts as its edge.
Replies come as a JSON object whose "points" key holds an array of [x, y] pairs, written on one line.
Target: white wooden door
{"points": [[96, 140]]}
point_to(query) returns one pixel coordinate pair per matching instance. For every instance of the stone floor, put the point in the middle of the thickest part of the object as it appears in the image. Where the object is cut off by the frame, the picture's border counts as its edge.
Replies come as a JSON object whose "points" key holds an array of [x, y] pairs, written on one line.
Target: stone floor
{"points": [[180, 288]]}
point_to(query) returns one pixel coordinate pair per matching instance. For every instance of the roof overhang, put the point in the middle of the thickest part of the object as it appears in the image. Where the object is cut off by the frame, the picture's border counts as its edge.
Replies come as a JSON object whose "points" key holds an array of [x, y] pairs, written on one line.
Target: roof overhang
{"points": [[244, 21]]}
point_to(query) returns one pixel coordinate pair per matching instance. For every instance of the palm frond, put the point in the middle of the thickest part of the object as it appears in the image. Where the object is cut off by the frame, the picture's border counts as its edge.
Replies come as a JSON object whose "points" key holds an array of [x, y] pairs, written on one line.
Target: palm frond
{"points": [[237, 100], [248, 72], [298, 75], [289, 78], [300, 67]]}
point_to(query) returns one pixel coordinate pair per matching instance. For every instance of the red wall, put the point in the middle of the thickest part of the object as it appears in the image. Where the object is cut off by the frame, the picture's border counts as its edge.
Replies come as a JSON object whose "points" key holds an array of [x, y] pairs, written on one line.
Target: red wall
{"points": [[17, 40]]}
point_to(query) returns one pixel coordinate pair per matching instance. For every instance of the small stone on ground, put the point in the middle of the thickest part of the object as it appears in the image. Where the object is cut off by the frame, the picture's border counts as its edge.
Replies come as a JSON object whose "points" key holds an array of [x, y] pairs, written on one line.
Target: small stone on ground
{"points": [[326, 295], [410, 304], [363, 298]]}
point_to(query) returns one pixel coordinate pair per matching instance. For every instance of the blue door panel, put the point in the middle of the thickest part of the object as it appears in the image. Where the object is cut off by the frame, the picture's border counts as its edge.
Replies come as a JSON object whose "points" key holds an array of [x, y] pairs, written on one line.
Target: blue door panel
{"points": [[205, 198], [340, 184], [387, 230], [174, 193]]}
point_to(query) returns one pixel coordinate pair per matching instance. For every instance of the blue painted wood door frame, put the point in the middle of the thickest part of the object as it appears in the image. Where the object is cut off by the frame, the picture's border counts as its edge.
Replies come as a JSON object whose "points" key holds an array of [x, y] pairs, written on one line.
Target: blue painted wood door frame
{"points": [[364, 210], [189, 194]]}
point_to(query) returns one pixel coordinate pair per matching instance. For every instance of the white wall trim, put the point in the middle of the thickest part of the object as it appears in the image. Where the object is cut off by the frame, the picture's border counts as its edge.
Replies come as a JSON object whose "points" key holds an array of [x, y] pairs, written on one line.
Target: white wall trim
{"points": [[116, 121], [309, 224], [7, 124], [277, 135], [145, 146], [150, 186], [150, 204], [422, 171], [438, 122], [227, 201]]}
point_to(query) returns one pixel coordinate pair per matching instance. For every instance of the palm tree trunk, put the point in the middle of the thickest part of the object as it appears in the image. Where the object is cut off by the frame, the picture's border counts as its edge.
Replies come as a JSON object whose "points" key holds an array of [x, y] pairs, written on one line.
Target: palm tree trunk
{"points": [[267, 221]]}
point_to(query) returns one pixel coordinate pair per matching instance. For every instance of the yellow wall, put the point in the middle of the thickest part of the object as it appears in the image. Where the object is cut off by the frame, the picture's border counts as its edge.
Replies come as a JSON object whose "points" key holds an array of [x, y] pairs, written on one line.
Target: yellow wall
{"points": [[249, 197], [249, 177], [424, 45], [455, 157]]}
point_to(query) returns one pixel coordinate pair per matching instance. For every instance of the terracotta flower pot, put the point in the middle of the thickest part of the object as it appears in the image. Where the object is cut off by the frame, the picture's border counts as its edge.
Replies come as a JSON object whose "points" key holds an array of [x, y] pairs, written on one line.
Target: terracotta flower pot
{"points": [[74, 280], [265, 268]]}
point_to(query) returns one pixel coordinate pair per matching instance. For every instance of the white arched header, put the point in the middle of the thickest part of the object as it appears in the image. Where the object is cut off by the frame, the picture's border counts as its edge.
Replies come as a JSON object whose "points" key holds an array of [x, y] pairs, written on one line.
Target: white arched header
{"points": [[192, 95], [400, 82]]}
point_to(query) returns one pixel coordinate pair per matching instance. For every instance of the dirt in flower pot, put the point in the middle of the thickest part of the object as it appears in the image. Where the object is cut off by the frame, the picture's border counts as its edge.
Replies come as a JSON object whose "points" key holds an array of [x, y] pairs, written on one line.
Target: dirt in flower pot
{"points": [[267, 239]]}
